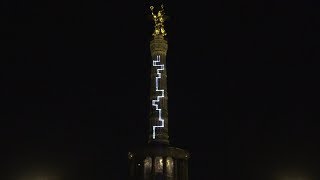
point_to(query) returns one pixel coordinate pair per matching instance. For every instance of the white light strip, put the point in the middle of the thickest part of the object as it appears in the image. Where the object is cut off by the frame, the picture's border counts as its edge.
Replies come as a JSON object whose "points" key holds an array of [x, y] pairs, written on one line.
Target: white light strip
{"points": [[156, 101]]}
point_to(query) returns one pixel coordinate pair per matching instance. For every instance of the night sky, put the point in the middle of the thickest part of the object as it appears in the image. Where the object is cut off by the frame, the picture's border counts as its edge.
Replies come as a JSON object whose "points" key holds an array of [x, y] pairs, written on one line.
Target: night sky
{"points": [[242, 86]]}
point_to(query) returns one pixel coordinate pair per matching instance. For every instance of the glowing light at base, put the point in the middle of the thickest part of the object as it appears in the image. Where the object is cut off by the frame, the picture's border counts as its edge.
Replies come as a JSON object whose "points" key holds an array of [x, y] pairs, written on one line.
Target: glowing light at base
{"points": [[160, 67]]}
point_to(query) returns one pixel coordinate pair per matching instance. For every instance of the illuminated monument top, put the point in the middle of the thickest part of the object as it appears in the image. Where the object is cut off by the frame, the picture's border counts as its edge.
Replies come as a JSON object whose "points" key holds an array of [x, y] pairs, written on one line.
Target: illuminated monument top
{"points": [[159, 19], [158, 160], [158, 94]]}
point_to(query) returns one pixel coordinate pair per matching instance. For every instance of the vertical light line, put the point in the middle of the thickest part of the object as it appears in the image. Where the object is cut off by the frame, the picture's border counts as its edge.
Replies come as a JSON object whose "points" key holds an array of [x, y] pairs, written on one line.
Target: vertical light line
{"points": [[160, 67]]}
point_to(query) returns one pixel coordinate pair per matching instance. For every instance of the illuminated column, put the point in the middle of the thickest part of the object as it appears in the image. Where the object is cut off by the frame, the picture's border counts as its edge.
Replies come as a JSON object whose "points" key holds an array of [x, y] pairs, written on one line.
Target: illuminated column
{"points": [[158, 160], [158, 95]]}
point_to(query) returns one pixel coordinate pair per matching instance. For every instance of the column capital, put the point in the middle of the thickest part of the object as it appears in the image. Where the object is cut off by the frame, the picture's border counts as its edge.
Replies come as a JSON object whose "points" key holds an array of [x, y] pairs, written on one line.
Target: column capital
{"points": [[158, 46]]}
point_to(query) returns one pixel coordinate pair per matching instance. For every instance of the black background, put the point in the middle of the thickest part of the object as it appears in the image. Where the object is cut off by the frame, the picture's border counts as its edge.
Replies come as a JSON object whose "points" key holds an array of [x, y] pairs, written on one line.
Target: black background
{"points": [[242, 83]]}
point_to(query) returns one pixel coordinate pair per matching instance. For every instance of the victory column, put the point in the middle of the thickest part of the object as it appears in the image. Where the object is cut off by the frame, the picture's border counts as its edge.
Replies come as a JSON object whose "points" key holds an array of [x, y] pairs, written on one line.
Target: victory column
{"points": [[158, 160]]}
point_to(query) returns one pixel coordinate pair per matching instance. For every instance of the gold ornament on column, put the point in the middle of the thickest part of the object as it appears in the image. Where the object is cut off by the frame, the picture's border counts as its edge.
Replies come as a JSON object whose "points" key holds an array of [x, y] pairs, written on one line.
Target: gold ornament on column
{"points": [[158, 19]]}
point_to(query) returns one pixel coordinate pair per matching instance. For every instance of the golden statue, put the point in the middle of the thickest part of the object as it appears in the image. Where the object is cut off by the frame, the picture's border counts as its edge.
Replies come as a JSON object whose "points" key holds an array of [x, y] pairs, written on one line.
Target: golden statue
{"points": [[159, 19]]}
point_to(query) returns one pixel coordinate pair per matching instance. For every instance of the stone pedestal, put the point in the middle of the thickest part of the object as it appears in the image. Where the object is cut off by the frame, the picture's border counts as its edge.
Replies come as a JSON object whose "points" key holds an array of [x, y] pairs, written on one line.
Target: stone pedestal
{"points": [[158, 162]]}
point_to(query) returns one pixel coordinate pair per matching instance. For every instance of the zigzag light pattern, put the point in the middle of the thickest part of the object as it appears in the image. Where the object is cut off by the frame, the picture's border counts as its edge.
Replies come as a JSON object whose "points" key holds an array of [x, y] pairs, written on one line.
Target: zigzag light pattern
{"points": [[157, 101]]}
